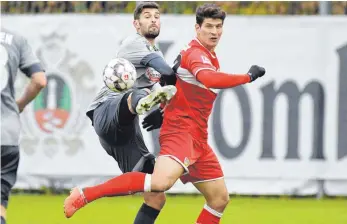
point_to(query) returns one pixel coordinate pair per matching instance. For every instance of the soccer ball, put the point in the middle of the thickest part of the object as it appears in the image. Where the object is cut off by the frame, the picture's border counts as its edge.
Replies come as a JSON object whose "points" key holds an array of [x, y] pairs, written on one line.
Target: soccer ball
{"points": [[119, 75]]}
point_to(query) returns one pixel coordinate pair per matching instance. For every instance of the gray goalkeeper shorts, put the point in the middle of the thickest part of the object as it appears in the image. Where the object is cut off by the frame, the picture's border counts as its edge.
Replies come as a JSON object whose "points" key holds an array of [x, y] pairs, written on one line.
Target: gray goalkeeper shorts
{"points": [[123, 142]]}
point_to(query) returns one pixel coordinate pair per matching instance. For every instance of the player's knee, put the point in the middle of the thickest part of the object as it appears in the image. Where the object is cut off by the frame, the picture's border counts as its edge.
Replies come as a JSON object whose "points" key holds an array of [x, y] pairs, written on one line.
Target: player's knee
{"points": [[155, 200], [219, 202], [225, 200], [161, 185]]}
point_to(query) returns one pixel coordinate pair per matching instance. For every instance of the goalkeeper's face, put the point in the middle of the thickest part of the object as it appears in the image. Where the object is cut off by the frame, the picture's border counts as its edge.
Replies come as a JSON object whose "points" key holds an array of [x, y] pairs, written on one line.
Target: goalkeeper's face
{"points": [[149, 23], [209, 32]]}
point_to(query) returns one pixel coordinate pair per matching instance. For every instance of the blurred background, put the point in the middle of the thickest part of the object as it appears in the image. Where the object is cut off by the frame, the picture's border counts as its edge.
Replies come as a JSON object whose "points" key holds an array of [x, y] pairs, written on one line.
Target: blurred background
{"points": [[281, 140], [178, 7]]}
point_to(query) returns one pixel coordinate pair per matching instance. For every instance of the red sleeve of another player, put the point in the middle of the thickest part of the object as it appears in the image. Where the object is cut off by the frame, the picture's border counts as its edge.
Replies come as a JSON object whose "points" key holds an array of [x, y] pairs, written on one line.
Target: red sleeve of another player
{"points": [[197, 60]]}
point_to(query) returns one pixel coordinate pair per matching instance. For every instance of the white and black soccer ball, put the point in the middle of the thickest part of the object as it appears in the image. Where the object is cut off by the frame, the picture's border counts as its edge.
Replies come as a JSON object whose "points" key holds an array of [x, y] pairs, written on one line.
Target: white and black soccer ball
{"points": [[119, 75]]}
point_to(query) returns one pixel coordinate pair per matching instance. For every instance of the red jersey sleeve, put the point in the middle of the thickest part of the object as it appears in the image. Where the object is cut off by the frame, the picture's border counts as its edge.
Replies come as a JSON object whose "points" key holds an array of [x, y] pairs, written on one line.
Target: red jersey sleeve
{"points": [[197, 60]]}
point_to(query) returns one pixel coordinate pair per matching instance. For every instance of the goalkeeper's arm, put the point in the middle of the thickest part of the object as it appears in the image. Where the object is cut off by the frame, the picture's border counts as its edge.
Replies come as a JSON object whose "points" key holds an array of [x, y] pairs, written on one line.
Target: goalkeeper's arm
{"points": [[158, 63]]}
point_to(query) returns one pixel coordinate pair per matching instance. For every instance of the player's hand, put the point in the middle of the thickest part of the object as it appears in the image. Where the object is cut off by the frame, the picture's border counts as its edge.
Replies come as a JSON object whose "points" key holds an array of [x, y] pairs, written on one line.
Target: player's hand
{"points": [[166, 80], [255, 72], [20, 106], [153, 120]]}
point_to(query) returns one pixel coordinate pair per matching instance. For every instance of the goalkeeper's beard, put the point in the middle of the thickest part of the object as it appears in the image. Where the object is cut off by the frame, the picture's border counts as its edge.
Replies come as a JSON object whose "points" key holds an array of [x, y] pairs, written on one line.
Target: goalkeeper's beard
{"points": [[152, 34]]}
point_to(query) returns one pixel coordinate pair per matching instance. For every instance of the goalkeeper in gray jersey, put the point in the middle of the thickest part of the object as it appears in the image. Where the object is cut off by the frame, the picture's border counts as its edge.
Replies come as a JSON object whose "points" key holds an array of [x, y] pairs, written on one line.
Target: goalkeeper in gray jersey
{"points": [[115, 115], [15, 54]]}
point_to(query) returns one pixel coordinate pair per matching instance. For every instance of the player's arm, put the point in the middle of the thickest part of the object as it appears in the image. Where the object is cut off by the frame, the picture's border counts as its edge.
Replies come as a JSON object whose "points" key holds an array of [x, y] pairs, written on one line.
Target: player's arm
{"points": [[32, 68], [158, 63], [209, 77]]}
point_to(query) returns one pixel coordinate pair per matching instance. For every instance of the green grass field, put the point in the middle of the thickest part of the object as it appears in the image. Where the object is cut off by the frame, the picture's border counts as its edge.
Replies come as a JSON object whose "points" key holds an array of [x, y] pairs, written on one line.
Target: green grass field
{"points": [[33, 209]]}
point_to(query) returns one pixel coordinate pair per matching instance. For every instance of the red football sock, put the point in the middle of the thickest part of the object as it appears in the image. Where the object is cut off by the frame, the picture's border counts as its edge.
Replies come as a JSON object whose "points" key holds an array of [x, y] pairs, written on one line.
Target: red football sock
{"points": [[209, 216], [125, 184]]}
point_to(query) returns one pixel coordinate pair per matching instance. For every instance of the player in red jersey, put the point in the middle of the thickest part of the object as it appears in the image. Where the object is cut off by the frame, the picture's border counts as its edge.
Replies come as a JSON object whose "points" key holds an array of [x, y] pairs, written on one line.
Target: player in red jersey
{"points": [[185, 152]]}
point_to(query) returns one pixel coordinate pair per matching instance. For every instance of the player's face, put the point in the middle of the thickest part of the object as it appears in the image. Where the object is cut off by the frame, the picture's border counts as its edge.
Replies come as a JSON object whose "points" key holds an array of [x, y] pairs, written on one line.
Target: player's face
{"points": [[209, 32], [149, 23]]}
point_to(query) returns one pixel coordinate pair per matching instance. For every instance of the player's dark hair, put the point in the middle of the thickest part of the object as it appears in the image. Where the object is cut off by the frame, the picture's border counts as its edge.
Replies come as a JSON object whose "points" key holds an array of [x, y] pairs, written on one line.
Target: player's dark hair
{"points": [[208, 10], [144, 5]]}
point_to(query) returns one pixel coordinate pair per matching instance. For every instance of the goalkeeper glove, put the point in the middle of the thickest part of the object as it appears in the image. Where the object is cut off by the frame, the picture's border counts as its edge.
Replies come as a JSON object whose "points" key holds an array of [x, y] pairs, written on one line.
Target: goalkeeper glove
{"points": [[255, 72], [153, 120]]}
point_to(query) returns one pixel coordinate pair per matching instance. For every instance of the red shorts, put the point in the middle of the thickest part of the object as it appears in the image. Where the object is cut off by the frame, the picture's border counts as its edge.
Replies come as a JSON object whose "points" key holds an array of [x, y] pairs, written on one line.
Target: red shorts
{"points": [[197, 157]]}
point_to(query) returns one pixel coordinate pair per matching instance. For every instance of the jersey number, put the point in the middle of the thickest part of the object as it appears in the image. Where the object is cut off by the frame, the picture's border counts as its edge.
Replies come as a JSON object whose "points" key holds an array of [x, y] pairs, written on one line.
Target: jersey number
{"points": [[4, 71]]}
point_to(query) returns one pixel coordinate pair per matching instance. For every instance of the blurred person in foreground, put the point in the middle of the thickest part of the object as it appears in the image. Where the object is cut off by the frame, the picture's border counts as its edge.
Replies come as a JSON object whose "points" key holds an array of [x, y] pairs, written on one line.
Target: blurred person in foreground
{"points": [[16, 54]]}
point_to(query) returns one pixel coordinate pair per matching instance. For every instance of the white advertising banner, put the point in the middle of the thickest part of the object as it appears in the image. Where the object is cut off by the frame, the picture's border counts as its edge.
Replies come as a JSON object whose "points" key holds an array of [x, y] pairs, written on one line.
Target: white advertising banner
{"points": [[283, 134]]}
